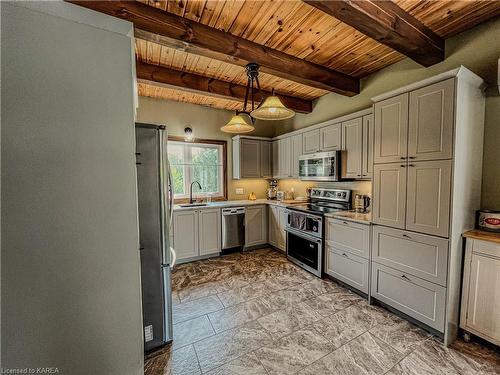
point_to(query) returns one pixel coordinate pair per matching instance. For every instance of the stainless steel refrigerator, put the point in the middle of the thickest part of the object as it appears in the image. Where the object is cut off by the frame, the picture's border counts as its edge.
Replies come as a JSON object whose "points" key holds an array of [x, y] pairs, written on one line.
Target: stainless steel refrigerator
{"points": [[155, 212]]}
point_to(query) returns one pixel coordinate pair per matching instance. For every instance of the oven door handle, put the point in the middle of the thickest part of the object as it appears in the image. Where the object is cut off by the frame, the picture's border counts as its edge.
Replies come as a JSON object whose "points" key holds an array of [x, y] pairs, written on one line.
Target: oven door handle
{"points": [[303, 235]]}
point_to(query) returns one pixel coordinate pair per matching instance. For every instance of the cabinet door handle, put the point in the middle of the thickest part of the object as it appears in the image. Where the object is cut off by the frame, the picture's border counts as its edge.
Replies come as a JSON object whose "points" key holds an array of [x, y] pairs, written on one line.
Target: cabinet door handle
{"points": [[345, 255], [411, 165], [402, 158], [345, 222], [403, 165], [405, 277], [406, 236], [412, 157]]}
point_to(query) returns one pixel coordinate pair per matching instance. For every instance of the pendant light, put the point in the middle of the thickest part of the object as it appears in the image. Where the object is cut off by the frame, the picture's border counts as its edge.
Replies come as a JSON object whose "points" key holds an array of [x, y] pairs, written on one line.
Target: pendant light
{"points": [[270, 109], [237, 124]]}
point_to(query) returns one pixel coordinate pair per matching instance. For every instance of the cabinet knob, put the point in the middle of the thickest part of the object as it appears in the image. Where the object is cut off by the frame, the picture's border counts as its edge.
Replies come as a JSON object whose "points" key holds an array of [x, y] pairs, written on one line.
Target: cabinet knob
{"points": [[412, 157], [411, 165], [403, 165], [402, 158]]}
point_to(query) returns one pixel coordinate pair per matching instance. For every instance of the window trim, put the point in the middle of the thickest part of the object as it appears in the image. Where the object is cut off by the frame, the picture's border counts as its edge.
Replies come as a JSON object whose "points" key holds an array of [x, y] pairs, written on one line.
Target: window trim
{"points": [[223, 197]]}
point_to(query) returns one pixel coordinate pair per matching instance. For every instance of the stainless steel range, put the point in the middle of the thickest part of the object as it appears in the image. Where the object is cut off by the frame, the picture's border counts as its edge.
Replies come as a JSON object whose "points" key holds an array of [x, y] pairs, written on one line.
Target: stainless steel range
{"points": [[305, 227]]}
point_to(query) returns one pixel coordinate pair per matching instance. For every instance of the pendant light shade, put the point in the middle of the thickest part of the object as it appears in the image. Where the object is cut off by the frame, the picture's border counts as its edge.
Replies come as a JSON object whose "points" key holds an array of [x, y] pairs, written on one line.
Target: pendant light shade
{"points": [[272, 109], [237, 124]]}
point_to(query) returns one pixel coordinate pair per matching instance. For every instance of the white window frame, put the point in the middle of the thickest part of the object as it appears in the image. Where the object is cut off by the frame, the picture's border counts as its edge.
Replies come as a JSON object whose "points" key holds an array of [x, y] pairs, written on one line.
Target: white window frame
{"points": [[187, 157]]}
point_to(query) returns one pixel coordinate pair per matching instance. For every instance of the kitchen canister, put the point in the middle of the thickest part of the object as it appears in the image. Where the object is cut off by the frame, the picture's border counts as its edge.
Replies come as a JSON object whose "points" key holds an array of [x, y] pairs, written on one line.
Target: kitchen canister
{"points": [[488, 220]]}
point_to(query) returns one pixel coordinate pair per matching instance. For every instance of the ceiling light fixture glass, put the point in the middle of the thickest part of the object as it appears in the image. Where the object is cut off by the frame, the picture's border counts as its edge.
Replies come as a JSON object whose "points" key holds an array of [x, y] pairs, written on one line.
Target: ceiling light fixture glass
{"points": [[270, 109], [237, 124]]}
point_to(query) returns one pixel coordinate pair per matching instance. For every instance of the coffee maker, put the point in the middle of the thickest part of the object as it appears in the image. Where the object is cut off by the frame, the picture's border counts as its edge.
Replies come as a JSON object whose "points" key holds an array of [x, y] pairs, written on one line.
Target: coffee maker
{"points": [[361, 203], [272, 190]]}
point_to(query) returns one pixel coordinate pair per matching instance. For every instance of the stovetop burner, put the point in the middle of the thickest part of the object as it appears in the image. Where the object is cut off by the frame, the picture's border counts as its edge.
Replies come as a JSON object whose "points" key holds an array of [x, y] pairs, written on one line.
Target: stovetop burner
{"points": [[316, 208], [325, 201]]}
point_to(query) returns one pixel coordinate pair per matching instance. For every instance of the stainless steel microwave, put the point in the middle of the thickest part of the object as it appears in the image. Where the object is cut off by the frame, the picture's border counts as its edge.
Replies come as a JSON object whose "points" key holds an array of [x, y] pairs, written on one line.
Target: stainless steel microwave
{"points": [[322, 166]]}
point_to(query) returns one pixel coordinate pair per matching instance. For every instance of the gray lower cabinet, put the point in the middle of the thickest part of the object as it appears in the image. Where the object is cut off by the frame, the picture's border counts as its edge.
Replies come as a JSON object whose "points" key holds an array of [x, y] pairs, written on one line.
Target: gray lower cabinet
{"points": [[416, 254], [348, 236], [255, 225], [480, 311], [347, 247], [420, 299], [348, 268], [197, 233], [277, 217]]}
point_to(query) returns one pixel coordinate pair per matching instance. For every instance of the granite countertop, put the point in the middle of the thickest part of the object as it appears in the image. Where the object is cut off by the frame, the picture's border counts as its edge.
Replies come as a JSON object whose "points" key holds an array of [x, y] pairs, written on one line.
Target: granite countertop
{"points": [[362, 218], [239, 203]]}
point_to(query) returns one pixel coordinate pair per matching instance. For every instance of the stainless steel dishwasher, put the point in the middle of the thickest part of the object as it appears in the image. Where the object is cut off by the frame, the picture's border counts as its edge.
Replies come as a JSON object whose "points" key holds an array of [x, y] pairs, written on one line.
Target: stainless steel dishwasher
{"points": [[233, 227]]}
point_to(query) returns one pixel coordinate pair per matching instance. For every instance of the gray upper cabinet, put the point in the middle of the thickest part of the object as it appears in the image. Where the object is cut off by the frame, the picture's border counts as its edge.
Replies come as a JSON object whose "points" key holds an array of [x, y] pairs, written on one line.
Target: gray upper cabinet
{"points": [[430, 128], [252, 158], [389, 194], [249, 158], [331, 137], [276, 158], [367, 155], [352, 145], [311, 141], [296, 151], [266, 159], [429, 195], [391, 130], [284, 158]]}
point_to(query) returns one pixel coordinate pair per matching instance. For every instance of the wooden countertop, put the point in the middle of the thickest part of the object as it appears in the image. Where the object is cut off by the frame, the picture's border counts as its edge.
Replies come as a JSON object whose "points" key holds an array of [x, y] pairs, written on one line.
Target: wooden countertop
{"points": [[483, 235]]}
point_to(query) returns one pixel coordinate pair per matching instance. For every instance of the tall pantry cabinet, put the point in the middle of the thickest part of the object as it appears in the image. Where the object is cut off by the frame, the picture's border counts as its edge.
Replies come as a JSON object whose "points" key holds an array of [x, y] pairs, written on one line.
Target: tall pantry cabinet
{"points": [[427, 154]]}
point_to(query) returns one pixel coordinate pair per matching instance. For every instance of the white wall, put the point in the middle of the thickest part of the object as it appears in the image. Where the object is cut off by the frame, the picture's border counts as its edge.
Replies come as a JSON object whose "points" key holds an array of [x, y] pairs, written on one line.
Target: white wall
{"points": [[70, 264]]}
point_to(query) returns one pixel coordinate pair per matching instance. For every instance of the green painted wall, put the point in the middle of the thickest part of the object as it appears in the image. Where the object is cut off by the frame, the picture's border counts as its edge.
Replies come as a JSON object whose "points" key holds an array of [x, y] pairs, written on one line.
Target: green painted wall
{"points": [[478, 49]]}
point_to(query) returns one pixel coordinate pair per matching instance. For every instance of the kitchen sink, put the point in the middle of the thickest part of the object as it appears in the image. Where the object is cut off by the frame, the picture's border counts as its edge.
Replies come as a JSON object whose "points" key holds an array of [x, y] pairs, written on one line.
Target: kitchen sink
{"points": [[193, 205]]}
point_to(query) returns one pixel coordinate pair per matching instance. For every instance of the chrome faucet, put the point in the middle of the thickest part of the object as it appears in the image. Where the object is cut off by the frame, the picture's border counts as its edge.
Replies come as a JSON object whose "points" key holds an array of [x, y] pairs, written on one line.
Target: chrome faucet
{"points": [[191, 200]]}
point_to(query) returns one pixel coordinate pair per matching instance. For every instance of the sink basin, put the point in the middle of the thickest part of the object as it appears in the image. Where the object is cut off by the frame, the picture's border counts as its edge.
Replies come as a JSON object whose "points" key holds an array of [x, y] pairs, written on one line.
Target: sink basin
{"points": [[193, 205]]}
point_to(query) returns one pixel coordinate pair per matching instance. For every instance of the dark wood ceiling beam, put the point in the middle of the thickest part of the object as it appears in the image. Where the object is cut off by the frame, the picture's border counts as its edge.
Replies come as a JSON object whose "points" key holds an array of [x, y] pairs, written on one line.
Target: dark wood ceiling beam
{"points": [[153, 74], [387, 23], [173, 31]]}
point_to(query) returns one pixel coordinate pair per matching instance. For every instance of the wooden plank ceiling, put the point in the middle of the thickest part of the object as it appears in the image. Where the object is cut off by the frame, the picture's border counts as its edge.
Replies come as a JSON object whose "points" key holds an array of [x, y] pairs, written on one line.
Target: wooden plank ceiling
{"points": [[298, 29]]}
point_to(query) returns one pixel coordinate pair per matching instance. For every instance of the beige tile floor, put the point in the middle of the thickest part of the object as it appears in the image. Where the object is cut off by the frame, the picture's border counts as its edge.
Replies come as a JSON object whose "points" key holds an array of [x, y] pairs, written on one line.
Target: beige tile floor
{"points": [[256, 313]]}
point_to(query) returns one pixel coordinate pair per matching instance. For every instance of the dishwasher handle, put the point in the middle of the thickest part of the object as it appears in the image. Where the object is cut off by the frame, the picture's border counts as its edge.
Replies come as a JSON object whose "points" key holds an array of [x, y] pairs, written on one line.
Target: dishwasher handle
{"points": [[233, 211]]}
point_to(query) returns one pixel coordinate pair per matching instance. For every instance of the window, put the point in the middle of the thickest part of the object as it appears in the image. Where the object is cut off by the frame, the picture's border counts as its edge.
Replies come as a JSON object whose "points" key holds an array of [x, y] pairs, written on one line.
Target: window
{"points": [[202, 161]]}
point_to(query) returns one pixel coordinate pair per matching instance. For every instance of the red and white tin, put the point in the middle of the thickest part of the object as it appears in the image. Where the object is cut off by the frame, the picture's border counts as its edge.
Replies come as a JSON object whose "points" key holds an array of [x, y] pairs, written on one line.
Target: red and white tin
{"points": [[488, 220]]}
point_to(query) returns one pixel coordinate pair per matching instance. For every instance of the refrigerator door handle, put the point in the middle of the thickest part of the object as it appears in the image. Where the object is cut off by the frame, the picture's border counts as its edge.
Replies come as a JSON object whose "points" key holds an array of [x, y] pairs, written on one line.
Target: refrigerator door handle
{"points": [[174, 257], [170, 196]]}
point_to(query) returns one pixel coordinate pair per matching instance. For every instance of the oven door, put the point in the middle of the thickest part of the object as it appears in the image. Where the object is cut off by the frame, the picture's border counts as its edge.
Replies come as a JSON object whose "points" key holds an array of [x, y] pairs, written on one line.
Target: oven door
{"points": [[322, 166], [305, 251]]}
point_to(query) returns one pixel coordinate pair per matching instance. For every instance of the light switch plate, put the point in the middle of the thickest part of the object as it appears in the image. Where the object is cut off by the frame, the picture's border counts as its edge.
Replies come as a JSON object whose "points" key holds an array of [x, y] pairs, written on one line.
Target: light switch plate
{"points": [[239, 191]]}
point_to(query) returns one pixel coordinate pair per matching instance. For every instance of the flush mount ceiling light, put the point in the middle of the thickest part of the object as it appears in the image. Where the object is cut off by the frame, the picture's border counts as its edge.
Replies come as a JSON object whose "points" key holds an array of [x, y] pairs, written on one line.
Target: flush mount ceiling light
{"points": [[270, 109]]}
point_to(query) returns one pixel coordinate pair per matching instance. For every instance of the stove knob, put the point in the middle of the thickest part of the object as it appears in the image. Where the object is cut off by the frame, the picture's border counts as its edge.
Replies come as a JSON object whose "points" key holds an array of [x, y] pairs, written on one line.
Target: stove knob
{"points": [[315, 229]]}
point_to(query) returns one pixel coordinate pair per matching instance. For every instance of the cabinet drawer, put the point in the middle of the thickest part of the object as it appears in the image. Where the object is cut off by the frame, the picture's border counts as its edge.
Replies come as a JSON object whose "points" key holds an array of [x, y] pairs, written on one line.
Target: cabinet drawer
{"points": [[416, 254], [349, 236], [415, 297], [486, 248], [346, 267]]}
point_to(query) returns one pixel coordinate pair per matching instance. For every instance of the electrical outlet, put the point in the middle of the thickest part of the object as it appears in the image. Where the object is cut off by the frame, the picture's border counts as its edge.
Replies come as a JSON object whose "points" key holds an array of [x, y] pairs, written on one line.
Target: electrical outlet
{"points": [[240, 191], [148, 333]]}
